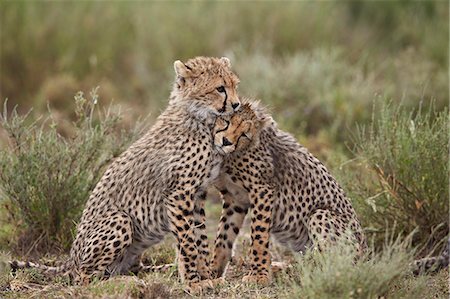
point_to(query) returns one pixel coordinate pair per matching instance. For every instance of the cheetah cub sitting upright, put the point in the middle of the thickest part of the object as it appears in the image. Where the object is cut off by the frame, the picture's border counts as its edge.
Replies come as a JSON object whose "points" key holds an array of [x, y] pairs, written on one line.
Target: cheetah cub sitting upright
{"points": [[156, 186], [290, 193]]}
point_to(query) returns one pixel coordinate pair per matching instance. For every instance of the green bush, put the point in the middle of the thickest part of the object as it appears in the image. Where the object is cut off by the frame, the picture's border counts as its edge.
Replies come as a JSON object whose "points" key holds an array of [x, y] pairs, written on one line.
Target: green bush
{"points": [[46, 177], [324, 90], [400, 176], [111, 44], [335, 274]]}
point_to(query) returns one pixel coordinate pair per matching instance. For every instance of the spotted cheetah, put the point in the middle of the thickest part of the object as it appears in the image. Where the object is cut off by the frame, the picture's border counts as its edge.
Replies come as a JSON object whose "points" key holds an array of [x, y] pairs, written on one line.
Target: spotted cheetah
{"points": [[291, 194], [157, 185], [430, 265]]}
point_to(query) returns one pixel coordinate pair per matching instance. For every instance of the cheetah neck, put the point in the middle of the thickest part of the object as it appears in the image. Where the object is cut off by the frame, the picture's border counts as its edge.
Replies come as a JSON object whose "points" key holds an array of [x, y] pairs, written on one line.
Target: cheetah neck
{"points": [[194, 109]]}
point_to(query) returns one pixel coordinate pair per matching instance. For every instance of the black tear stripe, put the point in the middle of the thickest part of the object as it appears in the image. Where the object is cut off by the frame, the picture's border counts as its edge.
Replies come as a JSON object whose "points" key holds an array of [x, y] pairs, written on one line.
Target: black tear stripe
{"points": [[226, 128], [222, 110]]}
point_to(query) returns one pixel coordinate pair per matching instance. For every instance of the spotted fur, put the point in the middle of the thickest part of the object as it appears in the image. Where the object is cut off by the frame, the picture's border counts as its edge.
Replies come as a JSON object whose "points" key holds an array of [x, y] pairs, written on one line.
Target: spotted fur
{"points": [[290, 193], [432, 264], [157, 185]]}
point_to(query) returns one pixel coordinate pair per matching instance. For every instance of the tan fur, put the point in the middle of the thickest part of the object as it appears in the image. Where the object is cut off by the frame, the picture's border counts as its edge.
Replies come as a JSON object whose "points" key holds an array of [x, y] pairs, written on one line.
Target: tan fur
{"points": [[290, 193], [157, 185]]}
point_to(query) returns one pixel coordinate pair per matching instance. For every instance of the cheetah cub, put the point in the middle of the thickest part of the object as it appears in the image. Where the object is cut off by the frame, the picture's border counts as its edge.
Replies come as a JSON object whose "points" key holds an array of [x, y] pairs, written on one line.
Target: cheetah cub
{"points": [[156, 186], [290, 193]]}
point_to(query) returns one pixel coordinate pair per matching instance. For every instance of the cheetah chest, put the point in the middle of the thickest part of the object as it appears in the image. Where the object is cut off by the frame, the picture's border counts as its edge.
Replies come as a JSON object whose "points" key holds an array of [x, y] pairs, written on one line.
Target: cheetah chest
{"points": [[216, 165]]}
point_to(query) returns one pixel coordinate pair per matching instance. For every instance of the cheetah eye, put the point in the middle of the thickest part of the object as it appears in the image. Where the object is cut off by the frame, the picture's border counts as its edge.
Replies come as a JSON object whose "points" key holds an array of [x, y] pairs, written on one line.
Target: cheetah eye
{"points": [[222, 126], [220, 89]]}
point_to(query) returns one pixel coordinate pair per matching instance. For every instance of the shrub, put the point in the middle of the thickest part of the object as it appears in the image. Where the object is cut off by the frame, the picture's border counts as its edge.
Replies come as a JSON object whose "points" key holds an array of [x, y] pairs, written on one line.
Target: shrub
{"points": [[46, 177], [40, 61], [401, 174], [334, 273], [326, 90]]}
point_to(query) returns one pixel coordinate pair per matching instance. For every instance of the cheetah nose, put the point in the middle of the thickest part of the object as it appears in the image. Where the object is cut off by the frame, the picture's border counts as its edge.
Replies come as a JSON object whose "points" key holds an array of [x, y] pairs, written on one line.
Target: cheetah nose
{"points": [[226, 142], [235, 106]]}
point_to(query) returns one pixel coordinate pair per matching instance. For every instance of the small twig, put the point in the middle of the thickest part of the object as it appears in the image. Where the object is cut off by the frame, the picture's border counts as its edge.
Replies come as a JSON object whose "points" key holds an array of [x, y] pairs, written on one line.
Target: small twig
{"points": [[35, 243]]}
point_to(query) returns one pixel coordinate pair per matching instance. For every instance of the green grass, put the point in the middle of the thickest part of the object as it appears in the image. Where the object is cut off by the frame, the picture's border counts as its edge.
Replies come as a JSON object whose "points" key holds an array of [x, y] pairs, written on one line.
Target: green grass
{"points": [[318, 64], [314, 275], [335, 274], [46, 177], [399, 178]]}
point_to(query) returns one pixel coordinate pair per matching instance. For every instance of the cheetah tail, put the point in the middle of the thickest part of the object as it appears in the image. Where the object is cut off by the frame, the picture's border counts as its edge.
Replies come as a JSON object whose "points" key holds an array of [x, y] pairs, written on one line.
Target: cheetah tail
{"points": [[160, 268], [64, 268], [432, 264]]}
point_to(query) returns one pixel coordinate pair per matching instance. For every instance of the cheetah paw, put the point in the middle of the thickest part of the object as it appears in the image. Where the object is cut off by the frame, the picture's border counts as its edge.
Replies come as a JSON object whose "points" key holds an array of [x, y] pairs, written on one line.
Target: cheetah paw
{"points": [[205, 274], [218, 281], [261, 279], [201, 286], [279, 266]]}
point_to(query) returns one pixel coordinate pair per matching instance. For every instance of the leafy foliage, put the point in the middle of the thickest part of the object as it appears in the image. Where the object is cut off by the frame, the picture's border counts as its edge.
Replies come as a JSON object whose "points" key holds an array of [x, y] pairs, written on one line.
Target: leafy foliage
{"points": [[318, 64], [46, 177], [335, 274], [402, 173]]}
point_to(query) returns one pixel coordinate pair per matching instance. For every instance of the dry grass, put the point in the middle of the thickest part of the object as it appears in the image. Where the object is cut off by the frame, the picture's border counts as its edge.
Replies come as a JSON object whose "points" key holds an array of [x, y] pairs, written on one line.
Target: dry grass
{"points": [[307, 278]]}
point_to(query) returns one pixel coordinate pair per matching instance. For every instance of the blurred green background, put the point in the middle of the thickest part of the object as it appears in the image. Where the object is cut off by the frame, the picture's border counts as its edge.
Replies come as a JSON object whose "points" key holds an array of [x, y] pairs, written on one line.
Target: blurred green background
{"points": [[325, 69], [318, 65]]}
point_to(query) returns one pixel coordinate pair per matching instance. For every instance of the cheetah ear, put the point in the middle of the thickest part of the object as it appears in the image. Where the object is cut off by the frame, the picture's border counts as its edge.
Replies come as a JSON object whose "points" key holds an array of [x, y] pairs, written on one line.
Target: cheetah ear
{"points": [[265, 122], [247, 124], [181, 69], [226, 61]]}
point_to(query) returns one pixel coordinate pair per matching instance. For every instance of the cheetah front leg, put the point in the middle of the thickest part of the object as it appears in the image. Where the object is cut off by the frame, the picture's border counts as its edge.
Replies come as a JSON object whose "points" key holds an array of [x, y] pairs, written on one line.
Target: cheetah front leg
{"points": [[231, 220], [261, 202], [201, 240], [181, 215]]}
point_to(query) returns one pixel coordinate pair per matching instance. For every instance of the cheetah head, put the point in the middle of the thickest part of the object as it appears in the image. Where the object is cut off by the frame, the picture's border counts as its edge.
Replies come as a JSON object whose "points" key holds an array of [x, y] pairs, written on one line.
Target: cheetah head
{"points": [[208, 84], [238, 131]]}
